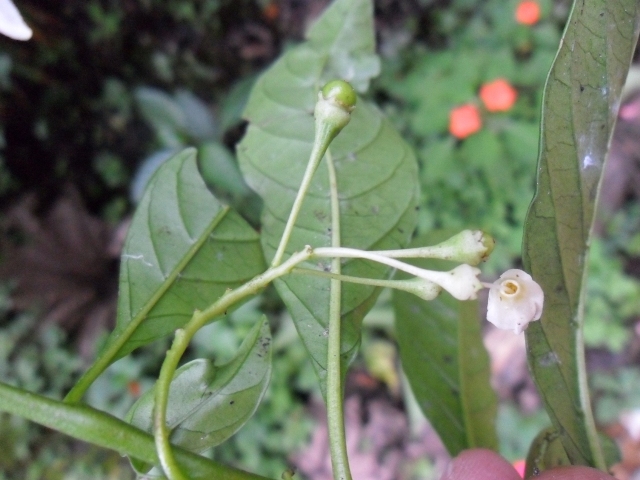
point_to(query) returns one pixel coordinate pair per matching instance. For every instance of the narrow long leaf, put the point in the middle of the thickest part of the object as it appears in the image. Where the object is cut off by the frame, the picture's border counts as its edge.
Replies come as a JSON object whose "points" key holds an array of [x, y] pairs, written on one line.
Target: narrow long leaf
{"points": [[447, 365], [99, 428], [377, 172], [183, 250], [209, 403], [580, 106]]}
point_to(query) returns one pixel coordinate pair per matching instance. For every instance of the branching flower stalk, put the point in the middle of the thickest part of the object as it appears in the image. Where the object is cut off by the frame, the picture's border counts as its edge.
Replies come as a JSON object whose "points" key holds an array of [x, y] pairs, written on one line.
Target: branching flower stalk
{"points": [[332, 113], [181, 342]]}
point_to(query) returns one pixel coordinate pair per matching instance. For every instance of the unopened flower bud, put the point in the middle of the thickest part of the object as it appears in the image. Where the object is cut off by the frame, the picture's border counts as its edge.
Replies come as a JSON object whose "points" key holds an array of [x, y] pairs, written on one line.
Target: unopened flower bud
{"points": [[420, 287], [461, 282], [515, 299], [469, 246], [333, 109]]}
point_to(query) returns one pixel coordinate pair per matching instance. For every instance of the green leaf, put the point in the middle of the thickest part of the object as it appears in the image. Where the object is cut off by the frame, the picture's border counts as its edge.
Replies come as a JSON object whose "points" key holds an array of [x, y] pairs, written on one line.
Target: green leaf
{"points": [[220, 170], [209, 403], [447, 366], [376, 170], [183, 250], [546, 452], [164, 114], [99, 428], [579, 111]]}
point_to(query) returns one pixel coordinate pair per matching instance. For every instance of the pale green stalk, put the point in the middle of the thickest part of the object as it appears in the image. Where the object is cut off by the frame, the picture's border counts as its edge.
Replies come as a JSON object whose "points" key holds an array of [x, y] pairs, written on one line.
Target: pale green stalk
{"points": [[181, 342], [324, 134], [344, 252], [374, 282], [335, 408]]}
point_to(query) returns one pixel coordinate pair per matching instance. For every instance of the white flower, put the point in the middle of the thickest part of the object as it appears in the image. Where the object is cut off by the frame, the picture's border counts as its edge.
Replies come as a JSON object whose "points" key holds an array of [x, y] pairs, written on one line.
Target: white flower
{"points": [[11, 23], [515, 299]]}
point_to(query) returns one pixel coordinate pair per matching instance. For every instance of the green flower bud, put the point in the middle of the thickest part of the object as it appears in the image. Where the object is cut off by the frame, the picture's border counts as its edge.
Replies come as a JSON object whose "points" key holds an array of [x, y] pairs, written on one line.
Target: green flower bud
{"points": [[340, 93], [333, 110]]}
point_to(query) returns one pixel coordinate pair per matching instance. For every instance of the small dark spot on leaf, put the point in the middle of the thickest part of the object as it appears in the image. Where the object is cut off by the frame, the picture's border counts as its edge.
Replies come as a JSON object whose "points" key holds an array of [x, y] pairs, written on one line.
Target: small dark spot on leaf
{"points": [[320, 215], [447, 359], [582, 88], [232, 402]]}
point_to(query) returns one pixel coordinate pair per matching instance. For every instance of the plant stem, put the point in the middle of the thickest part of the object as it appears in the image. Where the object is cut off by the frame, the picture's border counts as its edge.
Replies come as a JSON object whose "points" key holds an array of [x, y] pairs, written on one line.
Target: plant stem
{"points": [[344, 252], [335, 409], [323, 136], [101, 429], [161, 432], [181, 342], [374, 282]]}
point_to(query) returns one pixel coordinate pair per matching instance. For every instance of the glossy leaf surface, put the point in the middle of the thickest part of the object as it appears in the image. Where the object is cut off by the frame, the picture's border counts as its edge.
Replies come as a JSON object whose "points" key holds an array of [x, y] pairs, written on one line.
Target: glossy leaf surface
{"points": [[447, 365], [183, 250], [580, 106], [376, 171], [209, 403]]}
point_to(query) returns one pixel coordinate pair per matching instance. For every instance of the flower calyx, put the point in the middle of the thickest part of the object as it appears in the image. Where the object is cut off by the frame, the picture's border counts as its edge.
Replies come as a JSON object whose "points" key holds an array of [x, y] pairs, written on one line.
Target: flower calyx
{"points": [[468, 246], [515, 300], [336, 101]]}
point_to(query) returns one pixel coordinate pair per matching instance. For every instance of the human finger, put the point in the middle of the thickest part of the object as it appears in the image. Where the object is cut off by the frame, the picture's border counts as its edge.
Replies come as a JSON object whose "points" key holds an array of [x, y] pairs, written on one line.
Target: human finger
{"points": [[480, 464]]}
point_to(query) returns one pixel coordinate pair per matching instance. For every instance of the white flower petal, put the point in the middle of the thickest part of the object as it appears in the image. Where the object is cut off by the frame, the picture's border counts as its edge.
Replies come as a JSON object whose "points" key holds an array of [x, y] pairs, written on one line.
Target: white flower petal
{"points": [[515, 299], [11, 23]]}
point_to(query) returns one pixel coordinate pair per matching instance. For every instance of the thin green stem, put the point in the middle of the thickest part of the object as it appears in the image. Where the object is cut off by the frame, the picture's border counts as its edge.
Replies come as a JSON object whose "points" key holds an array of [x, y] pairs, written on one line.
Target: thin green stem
{"points": [[181, 342], [335, 409], [161, 431], [343, 252], [374, 282], [324, 134]]}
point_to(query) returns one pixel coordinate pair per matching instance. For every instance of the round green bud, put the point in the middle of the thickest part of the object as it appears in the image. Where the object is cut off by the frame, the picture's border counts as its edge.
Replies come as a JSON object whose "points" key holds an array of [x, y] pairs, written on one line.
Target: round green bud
{"points": [[340, 93]]}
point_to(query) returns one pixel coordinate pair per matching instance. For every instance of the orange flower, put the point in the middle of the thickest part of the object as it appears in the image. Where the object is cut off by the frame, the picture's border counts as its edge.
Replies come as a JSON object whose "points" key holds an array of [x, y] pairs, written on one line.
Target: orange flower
{"points": [[134, 388], [464, 121], [498, 96], [528, 12]]}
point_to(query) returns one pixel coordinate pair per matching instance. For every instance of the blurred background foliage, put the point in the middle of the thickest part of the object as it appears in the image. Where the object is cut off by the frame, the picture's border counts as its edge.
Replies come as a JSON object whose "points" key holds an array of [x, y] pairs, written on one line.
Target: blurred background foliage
{"points": [[107, 90]]}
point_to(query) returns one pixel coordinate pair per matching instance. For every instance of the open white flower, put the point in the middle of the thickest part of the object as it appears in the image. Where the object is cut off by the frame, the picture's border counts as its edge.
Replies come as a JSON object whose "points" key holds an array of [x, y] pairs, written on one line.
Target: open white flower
{"points": [[515, 299], [11, 23]]}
